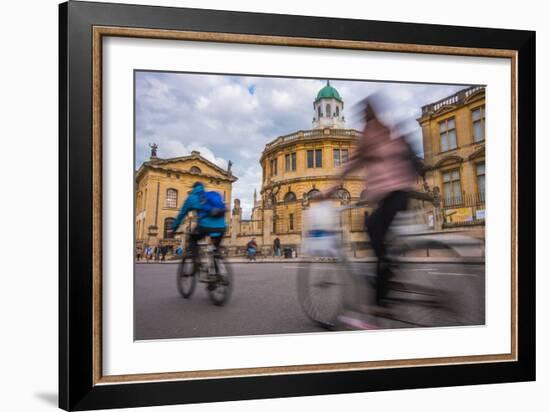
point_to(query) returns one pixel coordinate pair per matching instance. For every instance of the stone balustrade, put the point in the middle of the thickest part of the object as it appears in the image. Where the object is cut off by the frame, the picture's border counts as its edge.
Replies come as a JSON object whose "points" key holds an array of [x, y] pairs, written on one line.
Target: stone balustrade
{"points": [[456, 99], [312, 134]]}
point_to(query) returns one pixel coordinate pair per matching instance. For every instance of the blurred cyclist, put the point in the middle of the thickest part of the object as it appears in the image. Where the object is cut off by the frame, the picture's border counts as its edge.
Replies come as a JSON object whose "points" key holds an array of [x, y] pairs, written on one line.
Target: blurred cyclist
{"points": [[210, 210], [251, 249], [391, 172]]}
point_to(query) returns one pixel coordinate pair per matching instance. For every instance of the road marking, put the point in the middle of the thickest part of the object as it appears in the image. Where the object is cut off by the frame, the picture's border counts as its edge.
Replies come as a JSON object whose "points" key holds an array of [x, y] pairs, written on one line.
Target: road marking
{"points": [[452, 274], [316, 268]]}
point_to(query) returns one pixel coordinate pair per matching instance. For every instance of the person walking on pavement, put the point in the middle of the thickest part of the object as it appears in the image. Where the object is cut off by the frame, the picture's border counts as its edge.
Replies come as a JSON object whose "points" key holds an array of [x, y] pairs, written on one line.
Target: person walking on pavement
{"points": [[148, 253], [277, 247]]}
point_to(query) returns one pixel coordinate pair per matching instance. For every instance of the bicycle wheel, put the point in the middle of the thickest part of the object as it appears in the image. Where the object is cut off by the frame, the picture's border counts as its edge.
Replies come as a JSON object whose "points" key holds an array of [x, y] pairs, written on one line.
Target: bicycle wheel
{"points": [[220, 291], [431, 294], [323, 289], [186, 278]]}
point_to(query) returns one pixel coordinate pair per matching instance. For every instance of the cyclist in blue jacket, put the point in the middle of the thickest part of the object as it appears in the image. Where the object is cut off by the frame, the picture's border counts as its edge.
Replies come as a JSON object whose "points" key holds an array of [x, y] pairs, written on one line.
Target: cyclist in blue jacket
{"points": [[211, 216]]}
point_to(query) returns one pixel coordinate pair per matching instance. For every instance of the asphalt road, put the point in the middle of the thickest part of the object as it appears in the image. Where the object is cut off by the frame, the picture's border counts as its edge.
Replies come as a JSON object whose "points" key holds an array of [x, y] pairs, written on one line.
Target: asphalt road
{"points": [[265, 300]]}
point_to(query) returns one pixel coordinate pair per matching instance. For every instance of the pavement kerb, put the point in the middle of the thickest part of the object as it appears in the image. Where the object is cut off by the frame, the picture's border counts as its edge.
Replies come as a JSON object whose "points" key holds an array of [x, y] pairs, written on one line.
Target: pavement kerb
{"points": [[419, 260]]}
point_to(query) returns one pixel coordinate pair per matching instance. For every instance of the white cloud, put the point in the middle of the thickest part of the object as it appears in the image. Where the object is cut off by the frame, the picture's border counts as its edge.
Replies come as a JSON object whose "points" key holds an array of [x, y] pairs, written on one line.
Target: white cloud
{"points": [[202, 103], [174, 148]]}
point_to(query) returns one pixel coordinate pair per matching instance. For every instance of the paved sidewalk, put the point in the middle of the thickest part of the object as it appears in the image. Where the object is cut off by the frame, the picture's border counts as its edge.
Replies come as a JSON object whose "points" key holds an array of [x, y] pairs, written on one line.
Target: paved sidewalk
{"points": [[407, 259]]}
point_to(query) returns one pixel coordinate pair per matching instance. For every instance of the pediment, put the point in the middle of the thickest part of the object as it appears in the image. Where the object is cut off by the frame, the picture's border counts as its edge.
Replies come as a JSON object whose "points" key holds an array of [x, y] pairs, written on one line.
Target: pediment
{"points": [[449, 160], [474, 96], [193, 165], [444, 109], [477, 154]]}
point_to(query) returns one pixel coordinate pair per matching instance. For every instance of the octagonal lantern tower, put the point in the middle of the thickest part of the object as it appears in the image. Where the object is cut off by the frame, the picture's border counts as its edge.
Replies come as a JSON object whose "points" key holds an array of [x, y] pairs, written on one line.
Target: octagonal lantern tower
{"points": [[328, 109]]}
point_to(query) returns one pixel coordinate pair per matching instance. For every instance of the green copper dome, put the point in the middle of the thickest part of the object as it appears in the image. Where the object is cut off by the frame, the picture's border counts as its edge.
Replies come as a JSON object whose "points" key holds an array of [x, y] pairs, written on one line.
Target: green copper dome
{"points": [[328, 92]]}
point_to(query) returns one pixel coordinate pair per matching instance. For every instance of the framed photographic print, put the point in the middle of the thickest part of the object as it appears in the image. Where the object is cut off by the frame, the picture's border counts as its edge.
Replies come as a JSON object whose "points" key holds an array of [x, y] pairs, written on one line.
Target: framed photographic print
{"points": [[258, 206]]}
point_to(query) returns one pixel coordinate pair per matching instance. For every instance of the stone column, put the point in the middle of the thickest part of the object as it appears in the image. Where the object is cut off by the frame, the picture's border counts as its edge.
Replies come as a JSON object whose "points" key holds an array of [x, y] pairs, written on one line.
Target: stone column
{"points": [[268, 225], [469, 177], [236, 218], [345, 217]]}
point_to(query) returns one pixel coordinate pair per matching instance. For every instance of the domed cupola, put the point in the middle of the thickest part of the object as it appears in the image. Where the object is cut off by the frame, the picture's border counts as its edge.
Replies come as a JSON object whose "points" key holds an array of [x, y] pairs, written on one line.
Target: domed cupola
{"points": [[329, 108]]}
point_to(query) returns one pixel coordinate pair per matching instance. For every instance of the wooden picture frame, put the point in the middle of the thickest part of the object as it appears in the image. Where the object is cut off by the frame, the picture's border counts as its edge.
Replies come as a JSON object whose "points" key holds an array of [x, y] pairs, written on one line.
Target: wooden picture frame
{"points": [[82, 385]]}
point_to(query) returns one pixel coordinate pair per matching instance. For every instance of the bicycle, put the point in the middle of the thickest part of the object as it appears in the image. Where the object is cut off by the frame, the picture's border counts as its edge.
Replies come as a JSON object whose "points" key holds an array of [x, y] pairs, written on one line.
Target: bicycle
{"points": [[208, 267], [326, 294]]}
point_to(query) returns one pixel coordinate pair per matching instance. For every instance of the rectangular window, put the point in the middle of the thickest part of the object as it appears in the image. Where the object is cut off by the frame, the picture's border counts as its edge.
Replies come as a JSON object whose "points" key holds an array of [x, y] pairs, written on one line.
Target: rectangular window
{"points": [[478, 122], [310, 159], [480, 173], [273, 167], [315, 158], [341, 156], [345, 156], [171, 198], [290, 162], [452, 190], [336, 154], [291, 221], [447, 134], [318, 158]]}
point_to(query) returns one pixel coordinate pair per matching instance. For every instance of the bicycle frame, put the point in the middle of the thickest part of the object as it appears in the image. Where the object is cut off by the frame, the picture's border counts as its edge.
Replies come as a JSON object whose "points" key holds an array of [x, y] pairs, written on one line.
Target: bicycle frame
{"points": [[406, 229]]}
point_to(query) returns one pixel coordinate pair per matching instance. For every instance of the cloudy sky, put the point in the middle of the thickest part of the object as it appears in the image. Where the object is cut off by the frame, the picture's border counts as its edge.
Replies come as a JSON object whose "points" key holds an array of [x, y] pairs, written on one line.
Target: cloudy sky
{"points": [[233, 117]]}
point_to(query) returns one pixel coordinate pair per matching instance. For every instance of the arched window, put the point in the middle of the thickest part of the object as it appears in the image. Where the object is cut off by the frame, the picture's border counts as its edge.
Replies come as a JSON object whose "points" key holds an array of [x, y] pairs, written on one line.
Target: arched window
{"points": [[168, 233], [328, 112], [343, 195], [171, 198], [313, 193], [337, 111], [363, 195], [290, 197], [195, 170]]}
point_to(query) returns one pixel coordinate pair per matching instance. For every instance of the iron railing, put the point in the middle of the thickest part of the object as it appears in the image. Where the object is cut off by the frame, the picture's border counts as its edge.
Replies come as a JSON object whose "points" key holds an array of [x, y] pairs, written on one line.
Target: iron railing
{"points": [[464, 210]]}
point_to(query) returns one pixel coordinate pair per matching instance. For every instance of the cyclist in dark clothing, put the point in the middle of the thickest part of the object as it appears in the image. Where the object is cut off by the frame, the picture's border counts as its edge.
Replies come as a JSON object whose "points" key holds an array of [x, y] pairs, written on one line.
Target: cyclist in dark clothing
{"points": [[391, 174]]}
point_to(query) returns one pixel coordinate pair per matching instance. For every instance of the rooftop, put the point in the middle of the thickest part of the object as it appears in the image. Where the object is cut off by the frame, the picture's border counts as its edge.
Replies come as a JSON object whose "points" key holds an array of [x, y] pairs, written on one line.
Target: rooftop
{"points": [[455, 99], [328, 92]]}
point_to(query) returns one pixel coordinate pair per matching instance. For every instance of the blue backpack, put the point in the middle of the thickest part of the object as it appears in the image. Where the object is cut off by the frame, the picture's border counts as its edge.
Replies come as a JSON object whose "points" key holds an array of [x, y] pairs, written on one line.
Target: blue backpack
{"points": [[212, 204]]}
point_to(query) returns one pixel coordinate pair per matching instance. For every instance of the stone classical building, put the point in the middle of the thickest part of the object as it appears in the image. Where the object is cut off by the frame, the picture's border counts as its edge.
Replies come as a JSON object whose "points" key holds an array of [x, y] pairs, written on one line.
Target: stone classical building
{"points": [[453, 131], [297, 166], [161, 188]]}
